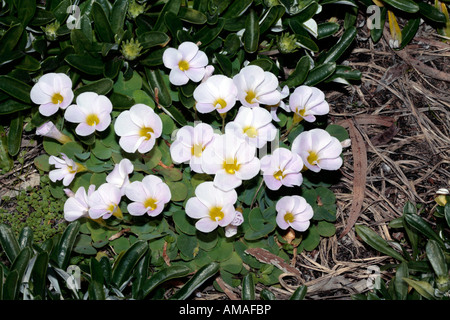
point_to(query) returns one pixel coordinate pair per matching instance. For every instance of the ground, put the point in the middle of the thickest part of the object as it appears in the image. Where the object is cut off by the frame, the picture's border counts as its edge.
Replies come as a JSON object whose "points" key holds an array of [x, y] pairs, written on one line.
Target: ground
{"points": [[399, 112]]}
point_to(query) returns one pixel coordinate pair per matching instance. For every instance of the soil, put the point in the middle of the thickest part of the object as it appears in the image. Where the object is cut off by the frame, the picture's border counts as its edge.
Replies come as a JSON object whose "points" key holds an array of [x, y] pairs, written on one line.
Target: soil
{"points": [[402, 115]]}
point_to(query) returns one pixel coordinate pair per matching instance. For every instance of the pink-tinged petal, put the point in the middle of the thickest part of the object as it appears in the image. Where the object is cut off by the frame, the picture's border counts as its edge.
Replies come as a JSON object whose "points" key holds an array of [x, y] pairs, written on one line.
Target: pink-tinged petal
{"points": [[163, 193], [130, 143], [203, 133], [332, 150], [206, 225], [171, 58], [248, 170], [200, 60], [270, 98], [292, 179], [204, 107], [285, 204], [229, 214], [210, 164], [319, 138], [225, 181], [196, 164], [157, 211], [330, 164], [124, 126], [86, 101], [135, 191], [48, 109], [269, 84], [196, 209], [281, 222], [146, 145], [205, 92], [178, 77], [74, 209], [150, 182], [84, 129], [300, 226], [68, 178], [96, 213], [57, 174], [206, 192], [227, 198], [195, 74], [188, 50], [261, 117], [266, 133], [68, 98], [38, 96], [74, 114], [245, 153], [253, 76], [139, 112], [136, 209], [271, 182], [180, 152]]}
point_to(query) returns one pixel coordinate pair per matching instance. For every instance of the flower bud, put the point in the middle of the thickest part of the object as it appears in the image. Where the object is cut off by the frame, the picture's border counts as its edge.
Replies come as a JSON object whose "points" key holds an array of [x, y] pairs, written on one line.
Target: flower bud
{"points": [[49, 130], [50, 30], [131, 49]]}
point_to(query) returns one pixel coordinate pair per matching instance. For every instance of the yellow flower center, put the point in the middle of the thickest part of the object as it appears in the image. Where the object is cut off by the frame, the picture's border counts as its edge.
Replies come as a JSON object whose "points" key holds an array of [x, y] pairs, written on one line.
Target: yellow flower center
{"points": [[289, 217], [222, 103], [92, 119], [57, 98], [146, 132], [231, 166], [251, 95], [71, 169], [251, 132], [197, 150], [150, 203], [216, 213], [115, 210], [183, 65], [312, 158], [279, 175]]}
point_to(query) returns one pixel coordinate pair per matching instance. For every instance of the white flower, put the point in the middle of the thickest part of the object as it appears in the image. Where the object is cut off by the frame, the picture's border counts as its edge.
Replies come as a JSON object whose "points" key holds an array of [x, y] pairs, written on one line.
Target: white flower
{"points": [[253, 125], [92, 112], [148, 196], [104, 202], [318, 150], [307, 102], [186, 62], [66, 169], [51, 92], [231, 229], [190, 143], [119, 175], [212, 206], [273, 109], [49, 130], [294, 212], [138, 128], [77, 205], [232, 160], [256, 86], [217, 93], [282, 167]]}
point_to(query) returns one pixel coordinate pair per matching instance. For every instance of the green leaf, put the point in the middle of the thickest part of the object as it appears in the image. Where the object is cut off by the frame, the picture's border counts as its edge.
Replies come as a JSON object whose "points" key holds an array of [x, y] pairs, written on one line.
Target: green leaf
{"points": [[233, 264], [96, 291], [298, 76], [251, 33], [152, 39], [192, 16], [401, 287], [326, 229], [15, 88], [430, 12], [341, 46], [408, 6], [86, 64], [101, 87], [178, 190], [337, 131], [423, 227], [248, 287], [376, 33], [311, 239], [327, 29], [203, 274], [124, 266], [9, 243], [207, 34], [447, 213], [101, 23], [422, 287], [26, 237], [11, 286], [9, 41], [29, 63], [170, 6], [299, 293], [15, 134], [307, 43], [118, 14], [157, 83], [409, 31], [63, 249], [11, 105], [39, 274], [21, 262], [272, 16], [436, 257], [237, 8], [377, 242], [166, 274], [320, 73]]}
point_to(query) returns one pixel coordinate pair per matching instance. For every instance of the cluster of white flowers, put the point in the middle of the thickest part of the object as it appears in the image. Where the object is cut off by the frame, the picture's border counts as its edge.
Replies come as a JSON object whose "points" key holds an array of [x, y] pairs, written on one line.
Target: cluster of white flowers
{"points": [[230, 156]]}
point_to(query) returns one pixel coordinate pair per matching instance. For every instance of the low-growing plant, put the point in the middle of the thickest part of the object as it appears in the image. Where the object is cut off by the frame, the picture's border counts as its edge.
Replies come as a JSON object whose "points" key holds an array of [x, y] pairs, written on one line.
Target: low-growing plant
{"points": [[423, 256]]}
